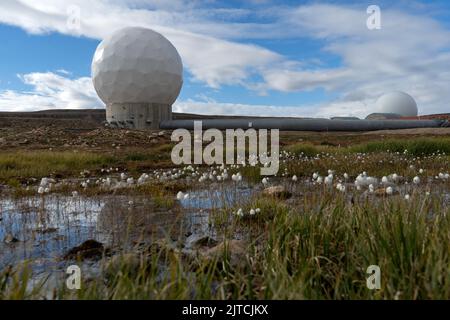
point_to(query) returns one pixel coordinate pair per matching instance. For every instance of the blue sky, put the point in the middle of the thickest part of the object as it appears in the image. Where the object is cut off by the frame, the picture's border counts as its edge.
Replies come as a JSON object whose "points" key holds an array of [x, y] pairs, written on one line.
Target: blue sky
{"points": [[305, 58]]}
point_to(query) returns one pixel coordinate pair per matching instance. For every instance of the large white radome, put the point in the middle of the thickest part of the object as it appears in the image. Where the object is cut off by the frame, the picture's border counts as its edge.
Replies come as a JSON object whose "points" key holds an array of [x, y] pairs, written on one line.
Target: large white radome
{"points": [[397, 102], [137, 65]]}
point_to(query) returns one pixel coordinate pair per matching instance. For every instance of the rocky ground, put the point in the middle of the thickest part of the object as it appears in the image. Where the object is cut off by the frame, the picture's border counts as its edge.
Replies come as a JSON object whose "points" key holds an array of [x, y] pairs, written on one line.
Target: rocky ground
{"points": [[87, 131]]}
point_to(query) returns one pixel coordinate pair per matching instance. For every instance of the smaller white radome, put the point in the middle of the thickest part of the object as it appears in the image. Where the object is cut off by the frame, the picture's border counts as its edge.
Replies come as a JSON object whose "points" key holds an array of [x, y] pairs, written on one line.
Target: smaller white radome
{"points": [[397, 102]]}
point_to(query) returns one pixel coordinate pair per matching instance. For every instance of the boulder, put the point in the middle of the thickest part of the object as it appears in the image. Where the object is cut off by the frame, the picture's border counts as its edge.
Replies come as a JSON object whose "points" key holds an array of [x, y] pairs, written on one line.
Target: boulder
{"points": [[90, 249], [123, 263], [197, 242], [234, 250], [277, 192], [9, 239]]}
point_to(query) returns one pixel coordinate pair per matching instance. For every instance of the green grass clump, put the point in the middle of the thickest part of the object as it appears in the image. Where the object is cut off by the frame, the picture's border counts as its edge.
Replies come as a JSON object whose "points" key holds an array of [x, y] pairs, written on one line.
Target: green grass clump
{"points": [[159, 152], [325, 251], [39, 164], [416, 147], [303, 148]]}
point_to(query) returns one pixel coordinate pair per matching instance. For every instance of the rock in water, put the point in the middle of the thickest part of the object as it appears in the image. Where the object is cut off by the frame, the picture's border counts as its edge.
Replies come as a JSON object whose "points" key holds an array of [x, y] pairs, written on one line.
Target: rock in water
{"points": [[90, 249], [124, 263], [235, 250], [277, 192], [381, 192], [9, 238], [202, 242]]}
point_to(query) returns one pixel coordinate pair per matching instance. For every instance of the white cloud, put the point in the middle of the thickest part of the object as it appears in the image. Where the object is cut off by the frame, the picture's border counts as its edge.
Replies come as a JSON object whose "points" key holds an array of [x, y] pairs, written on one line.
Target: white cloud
{"points": [[55, 91], [410, 53], [355, 108], [209, 59], [51, 91]]}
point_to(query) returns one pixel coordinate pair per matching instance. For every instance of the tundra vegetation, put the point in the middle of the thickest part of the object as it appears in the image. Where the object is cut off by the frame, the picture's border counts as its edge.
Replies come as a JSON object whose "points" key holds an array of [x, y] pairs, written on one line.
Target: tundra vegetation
{"points": [[337, 205]]}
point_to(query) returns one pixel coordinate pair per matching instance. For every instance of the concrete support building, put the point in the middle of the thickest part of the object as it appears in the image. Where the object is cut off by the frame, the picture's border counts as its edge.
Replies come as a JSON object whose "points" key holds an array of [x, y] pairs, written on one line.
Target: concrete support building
{"points": [[137, 115]]}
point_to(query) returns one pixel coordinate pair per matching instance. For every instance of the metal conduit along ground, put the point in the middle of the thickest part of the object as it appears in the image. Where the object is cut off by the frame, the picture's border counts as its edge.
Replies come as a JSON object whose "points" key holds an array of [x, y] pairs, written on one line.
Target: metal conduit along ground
{"points": [[303, 124]]}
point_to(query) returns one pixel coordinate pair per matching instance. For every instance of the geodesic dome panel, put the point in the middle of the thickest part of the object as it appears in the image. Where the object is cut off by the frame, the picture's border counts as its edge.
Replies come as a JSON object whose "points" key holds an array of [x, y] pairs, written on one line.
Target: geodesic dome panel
{"points": [[137, 65], [397, 102]]}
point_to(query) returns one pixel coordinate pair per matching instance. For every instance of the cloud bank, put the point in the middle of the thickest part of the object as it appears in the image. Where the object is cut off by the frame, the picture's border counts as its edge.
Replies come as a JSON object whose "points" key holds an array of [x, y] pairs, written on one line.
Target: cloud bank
{"points": [[51, 91], [57, 91]]}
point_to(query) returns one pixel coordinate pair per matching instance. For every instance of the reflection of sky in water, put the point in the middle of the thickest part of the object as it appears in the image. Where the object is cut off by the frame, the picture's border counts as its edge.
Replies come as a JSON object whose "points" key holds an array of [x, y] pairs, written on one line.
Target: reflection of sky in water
{"points": [[46, 227], [201, 202], [226, 195]]}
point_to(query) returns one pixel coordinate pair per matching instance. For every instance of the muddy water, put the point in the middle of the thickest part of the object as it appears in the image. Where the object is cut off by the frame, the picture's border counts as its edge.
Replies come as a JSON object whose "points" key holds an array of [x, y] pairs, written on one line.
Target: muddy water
{"points": [[46, 227], [40, 230]]}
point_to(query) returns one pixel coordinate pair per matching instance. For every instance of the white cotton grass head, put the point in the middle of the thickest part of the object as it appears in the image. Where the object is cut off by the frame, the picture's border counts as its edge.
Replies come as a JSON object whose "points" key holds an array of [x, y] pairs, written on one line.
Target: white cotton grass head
{"points": [[340, 187], [389, 190], [236, 177], [180, 195], [395, 177]]}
